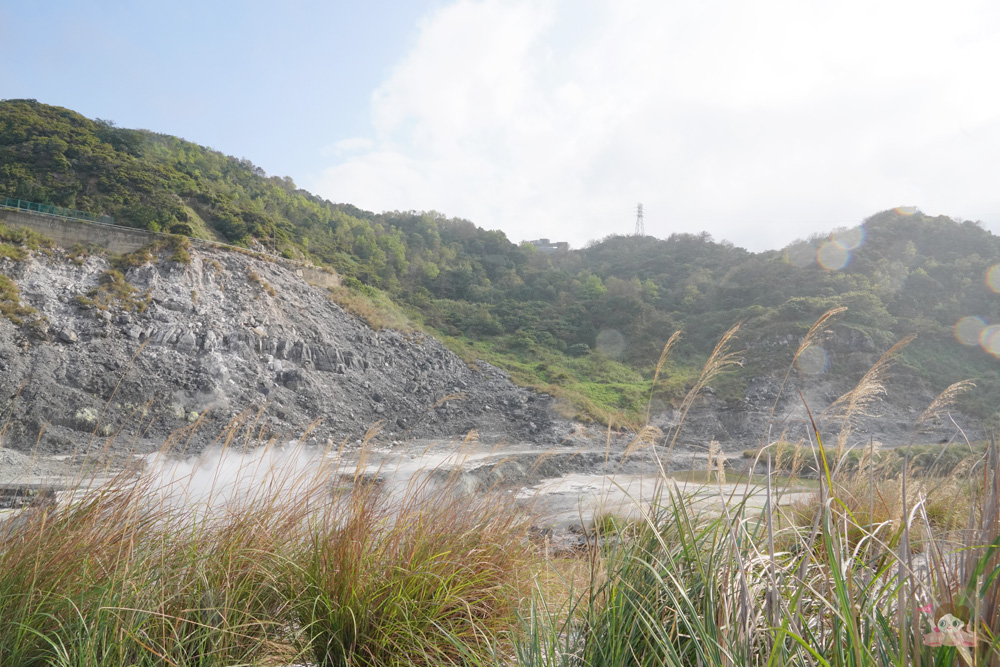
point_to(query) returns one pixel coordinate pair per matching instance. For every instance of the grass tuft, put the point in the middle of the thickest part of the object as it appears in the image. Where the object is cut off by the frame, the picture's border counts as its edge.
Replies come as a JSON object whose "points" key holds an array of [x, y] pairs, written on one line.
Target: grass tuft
{"points": [[245, 558], [373, 306], [10, 302], [267, 556]]}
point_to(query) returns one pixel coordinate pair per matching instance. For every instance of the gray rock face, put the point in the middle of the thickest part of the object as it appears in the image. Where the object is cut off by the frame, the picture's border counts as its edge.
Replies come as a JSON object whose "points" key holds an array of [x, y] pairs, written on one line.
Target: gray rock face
{"points": [[213, 348], [767, 412]]}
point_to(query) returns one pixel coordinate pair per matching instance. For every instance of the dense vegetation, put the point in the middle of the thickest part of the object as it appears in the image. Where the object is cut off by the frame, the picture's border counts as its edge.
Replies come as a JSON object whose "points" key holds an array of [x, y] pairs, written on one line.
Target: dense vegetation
{"points": [[253, 561], [587, 324]]}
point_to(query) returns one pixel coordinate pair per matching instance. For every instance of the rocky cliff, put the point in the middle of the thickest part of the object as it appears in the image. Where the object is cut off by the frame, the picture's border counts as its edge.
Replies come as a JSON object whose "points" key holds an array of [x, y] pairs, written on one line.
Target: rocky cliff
{"points": [[140, 352], [184, 349], [886, 407]]}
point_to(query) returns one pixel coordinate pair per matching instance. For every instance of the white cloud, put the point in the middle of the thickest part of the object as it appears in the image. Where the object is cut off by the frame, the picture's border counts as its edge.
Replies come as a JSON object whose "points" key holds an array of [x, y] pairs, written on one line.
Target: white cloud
{"points": [[351, 145], [759, 122]]}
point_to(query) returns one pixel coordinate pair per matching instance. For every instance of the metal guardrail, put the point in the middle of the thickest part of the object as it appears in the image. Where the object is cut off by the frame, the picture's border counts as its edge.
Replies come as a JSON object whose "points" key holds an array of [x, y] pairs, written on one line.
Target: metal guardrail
{"points": [[58, 211]]}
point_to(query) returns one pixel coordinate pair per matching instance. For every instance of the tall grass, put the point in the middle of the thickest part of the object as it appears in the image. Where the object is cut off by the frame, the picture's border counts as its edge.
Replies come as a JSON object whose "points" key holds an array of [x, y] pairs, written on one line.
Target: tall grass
{"points": [[261, 559], [842, 588], [421, 582], [855, 575], [275, 556]]}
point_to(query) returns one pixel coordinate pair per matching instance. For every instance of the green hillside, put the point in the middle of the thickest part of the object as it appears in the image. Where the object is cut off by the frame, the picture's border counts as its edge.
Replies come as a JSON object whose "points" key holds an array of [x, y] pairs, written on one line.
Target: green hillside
{"points": [[586, 325]]}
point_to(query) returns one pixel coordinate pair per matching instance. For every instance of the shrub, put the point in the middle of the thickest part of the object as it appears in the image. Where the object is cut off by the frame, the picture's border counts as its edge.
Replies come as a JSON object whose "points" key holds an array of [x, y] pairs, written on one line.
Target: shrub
{"points": [[174, 246], [8, 251], [24, 237], [79, 252], [113, 291], [10, 302], [181, 228]]}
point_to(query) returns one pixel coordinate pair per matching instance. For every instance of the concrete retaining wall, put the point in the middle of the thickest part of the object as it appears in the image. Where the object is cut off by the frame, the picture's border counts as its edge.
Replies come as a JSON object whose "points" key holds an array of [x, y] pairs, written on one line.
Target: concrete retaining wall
{"points": [[120, 240], [318, 277], [67, 233]]}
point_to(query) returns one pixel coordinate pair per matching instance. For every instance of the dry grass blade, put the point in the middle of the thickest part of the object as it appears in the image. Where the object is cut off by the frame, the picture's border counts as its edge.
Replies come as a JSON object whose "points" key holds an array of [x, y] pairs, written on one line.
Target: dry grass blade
{"points": [[645, 438], [671, 342], [859, 401], [716, 463], [811, 337], [720, 361], [942, 402], [816, 329], [450, 397]]}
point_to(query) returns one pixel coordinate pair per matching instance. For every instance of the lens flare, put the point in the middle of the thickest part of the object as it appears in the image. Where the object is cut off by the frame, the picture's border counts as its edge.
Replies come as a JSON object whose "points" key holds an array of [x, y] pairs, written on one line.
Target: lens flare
{"points": [[990, 339], [801, 255], [832, 256], [968, 329], [813, 361], [993, 278], [611, 343], [906, 210], [850, 238]]}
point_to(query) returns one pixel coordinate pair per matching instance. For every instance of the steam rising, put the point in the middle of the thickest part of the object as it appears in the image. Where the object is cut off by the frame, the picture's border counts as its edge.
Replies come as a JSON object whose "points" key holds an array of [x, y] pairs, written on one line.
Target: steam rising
{"points": [[223, 479]]}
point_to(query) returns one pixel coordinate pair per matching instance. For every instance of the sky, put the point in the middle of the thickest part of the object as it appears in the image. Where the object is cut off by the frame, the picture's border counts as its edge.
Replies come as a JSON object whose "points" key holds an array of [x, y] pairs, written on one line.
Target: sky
{"points": [[759, 122]]}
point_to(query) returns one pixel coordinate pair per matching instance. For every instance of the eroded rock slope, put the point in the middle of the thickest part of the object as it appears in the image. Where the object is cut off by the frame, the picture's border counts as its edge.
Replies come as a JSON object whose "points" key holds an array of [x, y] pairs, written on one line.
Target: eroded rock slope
{"points": [[228, 337]]}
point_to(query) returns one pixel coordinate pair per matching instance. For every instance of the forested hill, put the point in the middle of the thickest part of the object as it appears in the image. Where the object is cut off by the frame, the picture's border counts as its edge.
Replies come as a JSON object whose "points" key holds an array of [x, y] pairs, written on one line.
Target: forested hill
{"points": [[588, 324]]}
